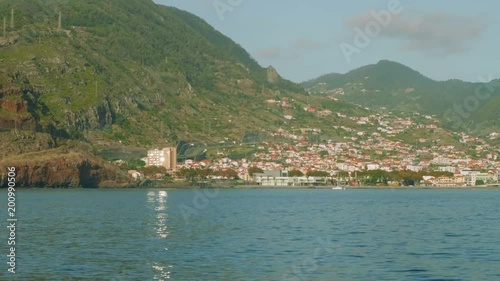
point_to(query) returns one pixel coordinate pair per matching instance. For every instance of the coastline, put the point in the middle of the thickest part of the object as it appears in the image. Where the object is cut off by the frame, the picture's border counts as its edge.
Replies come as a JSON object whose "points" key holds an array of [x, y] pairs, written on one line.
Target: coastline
{"points": [[178, 187], [186, 186]]}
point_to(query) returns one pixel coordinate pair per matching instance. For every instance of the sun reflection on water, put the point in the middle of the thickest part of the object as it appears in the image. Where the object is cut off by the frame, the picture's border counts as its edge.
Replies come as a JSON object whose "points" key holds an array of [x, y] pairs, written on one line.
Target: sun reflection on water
{"points": [[157, 201]]}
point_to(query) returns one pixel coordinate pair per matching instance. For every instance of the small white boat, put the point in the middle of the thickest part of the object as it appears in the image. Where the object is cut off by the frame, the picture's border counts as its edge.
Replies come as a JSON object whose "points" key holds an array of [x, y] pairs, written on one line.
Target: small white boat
{"points": [[338, 187]]}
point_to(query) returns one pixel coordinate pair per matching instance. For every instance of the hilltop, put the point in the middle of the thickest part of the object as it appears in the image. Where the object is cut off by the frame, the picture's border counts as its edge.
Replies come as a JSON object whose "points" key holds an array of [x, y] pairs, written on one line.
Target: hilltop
{"points": [[396, 87]]}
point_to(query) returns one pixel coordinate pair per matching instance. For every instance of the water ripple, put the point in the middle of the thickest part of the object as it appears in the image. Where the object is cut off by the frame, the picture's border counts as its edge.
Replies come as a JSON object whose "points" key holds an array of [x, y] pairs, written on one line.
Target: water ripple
{"points": [[258, 235]]}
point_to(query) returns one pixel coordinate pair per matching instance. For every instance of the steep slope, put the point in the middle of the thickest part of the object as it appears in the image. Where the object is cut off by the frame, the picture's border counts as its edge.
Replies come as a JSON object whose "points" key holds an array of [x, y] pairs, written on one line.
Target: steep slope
{"points": [[69, 166], [117, 76], [398, 87], [129, 71]]}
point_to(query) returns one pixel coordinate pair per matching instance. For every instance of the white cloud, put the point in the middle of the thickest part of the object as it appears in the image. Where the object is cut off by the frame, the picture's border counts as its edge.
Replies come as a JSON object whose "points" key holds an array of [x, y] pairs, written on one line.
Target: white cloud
{"points": [[437, 33], [304, 43], [270, 53]]}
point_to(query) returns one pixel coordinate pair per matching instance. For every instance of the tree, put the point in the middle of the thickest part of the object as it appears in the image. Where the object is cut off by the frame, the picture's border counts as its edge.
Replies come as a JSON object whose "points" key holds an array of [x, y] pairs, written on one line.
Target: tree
{"points": [[479, 182], [408, 182], [253, 170], [205, 173], [231, 174], [153, 170], [187, 173], [295, 173], [317, 174], [136, 164], [374, 177]]}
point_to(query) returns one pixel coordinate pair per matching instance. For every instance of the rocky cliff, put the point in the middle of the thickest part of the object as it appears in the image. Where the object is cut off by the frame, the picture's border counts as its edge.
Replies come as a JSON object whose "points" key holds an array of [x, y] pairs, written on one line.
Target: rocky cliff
{"points": [[14, 110], [136, 73], [62, 167]]}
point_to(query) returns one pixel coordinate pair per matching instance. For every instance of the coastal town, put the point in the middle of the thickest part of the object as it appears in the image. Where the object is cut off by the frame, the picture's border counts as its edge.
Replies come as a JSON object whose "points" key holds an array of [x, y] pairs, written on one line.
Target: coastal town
{"points": [[371, 152]]}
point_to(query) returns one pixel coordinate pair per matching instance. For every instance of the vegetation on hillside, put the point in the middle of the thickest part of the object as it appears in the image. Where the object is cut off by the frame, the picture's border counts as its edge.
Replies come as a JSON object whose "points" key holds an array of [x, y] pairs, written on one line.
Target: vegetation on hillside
{"points": [[137, 73], [461, 105]]}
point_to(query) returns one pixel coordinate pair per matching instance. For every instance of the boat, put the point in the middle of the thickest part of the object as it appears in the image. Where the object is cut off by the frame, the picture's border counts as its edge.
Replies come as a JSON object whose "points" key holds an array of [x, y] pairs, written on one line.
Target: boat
{"points": [[338, 187]]}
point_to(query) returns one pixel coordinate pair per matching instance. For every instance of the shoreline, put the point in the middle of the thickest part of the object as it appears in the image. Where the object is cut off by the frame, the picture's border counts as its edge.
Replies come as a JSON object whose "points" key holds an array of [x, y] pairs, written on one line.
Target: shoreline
{"points": [[187, 187]]}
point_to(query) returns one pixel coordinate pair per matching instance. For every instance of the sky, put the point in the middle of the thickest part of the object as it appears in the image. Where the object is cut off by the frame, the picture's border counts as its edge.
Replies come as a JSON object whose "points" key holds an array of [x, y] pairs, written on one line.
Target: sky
{"points": [[305, 39]]}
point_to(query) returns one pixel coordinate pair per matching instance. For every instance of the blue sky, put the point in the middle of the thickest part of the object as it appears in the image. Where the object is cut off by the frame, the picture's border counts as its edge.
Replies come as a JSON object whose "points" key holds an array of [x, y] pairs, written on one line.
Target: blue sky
{"points": [[304, 39]]}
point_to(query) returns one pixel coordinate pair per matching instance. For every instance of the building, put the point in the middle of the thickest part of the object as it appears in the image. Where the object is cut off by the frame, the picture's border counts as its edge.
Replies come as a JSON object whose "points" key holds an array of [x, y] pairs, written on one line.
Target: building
{"points": [[372, 166], [272, 178], [472, 176], [282, 178], [166, 157], [444, 181], [449, 169], [136, 175]]}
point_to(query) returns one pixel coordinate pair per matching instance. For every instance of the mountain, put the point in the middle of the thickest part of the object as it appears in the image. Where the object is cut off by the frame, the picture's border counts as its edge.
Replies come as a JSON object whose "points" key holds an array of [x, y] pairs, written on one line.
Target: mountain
{"points": [[397, 87], [115, 75], [384, 75], [132, 71], [85, 82]]}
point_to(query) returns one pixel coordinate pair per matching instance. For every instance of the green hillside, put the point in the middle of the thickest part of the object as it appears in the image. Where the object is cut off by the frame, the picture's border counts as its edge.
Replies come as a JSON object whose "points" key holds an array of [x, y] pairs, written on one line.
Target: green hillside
{"points": [[143, 74], [398, 87], [139, 74], [133, 71]]}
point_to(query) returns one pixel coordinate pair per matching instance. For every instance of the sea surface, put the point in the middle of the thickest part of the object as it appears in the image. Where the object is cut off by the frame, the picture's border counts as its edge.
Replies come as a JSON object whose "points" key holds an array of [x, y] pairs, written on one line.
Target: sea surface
{"points": [[254, 234]]}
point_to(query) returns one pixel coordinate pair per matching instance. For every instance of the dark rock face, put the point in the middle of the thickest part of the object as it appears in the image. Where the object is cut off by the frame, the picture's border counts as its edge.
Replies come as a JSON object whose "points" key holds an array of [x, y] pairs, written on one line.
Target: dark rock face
{"points": [[14, 106], [88, 175], [22, 109], [30, 146], [14, 110], [73, 169]]}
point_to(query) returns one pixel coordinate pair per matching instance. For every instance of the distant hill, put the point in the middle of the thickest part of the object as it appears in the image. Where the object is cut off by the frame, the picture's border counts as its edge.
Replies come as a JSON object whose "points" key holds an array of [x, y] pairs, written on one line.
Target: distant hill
{"points": [[397, 87]]}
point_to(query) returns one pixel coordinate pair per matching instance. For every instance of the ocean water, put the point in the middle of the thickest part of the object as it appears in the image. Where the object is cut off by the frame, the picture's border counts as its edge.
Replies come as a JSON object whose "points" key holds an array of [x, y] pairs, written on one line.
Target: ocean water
{"points": [[254, 234]]}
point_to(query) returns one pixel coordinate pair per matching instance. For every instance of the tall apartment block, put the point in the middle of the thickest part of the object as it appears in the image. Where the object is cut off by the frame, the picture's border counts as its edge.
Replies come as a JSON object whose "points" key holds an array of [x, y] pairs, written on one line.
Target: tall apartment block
{"points": [[166, 157]]}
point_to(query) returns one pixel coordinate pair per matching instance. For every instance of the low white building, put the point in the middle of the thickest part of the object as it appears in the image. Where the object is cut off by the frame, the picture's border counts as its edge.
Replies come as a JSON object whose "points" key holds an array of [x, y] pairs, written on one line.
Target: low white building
{"points": [[450, 169], [136, 175], [372, 166], [281, 178], [272, 181]]}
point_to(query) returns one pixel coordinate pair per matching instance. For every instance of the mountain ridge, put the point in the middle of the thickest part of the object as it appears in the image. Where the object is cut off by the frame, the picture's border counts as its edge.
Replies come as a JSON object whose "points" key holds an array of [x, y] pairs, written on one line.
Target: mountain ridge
{"points": [[384, 62], [113, 67], [396, 86]]}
